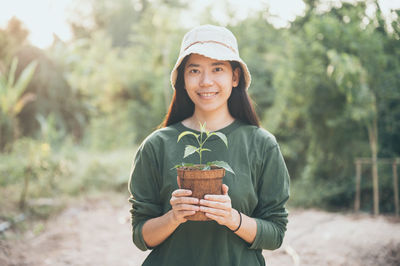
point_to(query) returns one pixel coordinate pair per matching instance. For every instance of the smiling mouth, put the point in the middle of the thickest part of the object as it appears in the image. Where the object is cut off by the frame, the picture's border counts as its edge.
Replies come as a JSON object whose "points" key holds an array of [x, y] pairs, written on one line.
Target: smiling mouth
{"points": [[207, 94]]}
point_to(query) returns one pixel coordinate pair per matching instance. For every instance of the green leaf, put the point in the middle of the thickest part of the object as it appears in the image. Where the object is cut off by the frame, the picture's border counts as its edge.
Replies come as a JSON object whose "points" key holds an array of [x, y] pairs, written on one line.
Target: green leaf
{"points": [[20, 86], [176, 166], [221, 136], [190, 149], [25, 78], [11, 75], [203, 129], [187, 133], [223, 165]]}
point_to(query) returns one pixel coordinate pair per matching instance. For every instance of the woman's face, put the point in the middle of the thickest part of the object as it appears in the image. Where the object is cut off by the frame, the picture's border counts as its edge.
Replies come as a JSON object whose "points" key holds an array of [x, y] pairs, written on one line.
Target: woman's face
{"points": [[209, 82]]}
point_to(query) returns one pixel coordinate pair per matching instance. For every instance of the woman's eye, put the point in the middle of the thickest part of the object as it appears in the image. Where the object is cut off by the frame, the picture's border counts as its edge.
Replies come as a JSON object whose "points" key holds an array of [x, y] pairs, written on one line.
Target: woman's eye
{"points": [[218, 69], [194, 71]]}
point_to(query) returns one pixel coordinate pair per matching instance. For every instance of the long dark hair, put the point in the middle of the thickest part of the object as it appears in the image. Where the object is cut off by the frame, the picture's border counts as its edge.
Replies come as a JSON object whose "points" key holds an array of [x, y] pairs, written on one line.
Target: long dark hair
{"points": [[239, 103]]}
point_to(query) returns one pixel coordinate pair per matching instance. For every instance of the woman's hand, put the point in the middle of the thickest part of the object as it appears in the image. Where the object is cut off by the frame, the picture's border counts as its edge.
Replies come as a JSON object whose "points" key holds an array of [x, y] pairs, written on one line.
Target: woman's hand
{"points": [[219, 208], [156, 230], [183, 205]]}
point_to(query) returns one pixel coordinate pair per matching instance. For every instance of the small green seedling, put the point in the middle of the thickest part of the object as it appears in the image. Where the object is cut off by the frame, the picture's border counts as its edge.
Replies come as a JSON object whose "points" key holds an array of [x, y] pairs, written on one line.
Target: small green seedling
{"points": [[201, 140]]}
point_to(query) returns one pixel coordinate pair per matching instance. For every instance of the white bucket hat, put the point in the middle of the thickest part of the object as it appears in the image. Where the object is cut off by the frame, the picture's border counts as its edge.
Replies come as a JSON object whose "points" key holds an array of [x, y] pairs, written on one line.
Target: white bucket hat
{"points": [[214, 42]]}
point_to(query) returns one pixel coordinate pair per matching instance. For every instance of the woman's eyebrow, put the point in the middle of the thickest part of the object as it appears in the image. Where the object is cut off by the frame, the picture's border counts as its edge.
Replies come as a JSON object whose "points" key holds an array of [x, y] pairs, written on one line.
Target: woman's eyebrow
{"points": [[193, 65], [213, 64], [218, 64]]}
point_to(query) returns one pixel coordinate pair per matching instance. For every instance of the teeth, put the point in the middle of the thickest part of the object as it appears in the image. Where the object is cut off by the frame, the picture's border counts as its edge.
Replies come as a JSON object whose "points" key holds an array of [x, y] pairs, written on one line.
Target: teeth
{"points": [[207, 94]]}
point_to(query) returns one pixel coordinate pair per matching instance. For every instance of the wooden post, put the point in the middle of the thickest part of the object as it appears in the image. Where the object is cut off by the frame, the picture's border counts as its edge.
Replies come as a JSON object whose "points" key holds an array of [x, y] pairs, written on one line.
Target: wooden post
{"points": [[373, 141], [375, 185], [358, 182], [395, 188]]}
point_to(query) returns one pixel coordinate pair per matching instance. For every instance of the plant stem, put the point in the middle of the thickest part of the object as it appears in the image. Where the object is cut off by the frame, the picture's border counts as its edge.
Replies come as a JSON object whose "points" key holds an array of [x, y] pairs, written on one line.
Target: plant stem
{"points": [[200, 150], [201, 145]]}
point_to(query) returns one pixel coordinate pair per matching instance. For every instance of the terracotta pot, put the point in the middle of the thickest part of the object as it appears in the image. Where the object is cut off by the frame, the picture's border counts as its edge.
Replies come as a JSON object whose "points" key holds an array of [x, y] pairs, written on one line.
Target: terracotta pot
{"points": [[201, 182]]}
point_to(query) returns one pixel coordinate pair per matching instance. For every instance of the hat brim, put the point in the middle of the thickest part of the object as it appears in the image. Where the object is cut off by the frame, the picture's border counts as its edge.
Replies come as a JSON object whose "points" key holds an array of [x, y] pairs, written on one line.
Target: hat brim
{"points": [[213, 51]]}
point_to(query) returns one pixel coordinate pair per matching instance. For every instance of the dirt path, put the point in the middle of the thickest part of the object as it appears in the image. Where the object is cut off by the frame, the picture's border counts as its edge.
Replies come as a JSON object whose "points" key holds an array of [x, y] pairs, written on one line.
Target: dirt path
{"points": [[97, 232]]}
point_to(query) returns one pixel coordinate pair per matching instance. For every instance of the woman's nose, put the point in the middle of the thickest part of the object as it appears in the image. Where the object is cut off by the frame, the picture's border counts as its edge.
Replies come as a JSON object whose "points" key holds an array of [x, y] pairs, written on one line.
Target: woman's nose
{"points": [[206, 79]]}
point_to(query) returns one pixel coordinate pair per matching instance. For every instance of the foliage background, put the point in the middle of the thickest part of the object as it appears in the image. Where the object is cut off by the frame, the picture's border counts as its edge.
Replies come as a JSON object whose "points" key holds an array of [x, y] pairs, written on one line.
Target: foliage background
{"points": [[71, 115]]}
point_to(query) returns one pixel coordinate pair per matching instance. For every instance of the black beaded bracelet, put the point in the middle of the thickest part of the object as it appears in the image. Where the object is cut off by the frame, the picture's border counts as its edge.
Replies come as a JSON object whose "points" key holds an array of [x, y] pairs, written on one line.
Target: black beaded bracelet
{"points": [[240, 222]]}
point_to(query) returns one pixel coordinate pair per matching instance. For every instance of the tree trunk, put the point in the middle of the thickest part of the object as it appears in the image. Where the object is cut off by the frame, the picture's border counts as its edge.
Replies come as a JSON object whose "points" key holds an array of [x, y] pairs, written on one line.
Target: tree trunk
{"points": [[358, 182], [373, 142]]}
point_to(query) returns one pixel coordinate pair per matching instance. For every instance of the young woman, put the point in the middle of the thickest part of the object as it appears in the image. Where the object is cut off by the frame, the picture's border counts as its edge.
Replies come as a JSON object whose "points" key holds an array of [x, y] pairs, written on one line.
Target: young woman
{"points": [[210, 82]]}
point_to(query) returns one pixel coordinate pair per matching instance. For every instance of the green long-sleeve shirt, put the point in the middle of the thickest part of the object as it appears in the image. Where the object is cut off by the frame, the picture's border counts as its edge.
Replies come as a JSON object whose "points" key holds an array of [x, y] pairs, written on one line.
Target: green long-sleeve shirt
{"points": [[259, 189]]}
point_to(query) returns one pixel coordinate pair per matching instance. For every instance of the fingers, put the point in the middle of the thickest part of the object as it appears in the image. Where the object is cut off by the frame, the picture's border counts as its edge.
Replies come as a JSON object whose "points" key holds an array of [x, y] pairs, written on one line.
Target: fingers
{"points": [[217, 204], [225, 189], [175, 201], [182, 196], [219, 219], [218, 207], [183, 205], [181, 193], [218, 212], [221, 216], [219, 198], [179, 216]]}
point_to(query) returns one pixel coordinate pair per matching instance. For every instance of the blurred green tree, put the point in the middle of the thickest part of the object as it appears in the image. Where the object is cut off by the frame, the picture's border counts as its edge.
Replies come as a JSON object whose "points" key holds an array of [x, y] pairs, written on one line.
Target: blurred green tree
{"points": [[47, 86], [261, 45], [13, 98], [126, 85], [331, 89], [54, 96]]}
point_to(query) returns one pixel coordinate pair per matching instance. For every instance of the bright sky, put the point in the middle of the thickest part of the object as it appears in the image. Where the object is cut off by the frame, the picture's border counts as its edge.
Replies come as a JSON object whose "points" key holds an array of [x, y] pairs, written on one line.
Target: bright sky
{"points": [[45, 17]]}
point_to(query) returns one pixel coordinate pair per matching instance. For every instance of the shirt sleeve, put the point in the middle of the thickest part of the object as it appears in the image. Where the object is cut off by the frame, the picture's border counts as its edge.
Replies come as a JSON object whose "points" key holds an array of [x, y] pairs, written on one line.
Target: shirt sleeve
{"points": [[273, 192], [144, 189]]}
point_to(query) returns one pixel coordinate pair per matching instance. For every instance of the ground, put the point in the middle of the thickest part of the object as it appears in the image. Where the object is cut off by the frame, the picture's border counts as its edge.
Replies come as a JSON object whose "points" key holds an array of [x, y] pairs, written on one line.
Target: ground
{"points": [[96, 231]]}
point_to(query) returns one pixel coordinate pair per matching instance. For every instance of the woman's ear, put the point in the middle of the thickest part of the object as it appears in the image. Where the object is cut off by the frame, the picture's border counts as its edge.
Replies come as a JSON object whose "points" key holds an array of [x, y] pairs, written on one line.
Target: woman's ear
{"points": [[236, 76]]}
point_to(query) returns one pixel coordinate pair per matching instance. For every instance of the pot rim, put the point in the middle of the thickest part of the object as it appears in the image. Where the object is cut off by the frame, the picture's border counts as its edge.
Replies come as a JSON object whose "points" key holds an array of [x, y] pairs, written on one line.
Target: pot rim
{"points": [[215, 173]]}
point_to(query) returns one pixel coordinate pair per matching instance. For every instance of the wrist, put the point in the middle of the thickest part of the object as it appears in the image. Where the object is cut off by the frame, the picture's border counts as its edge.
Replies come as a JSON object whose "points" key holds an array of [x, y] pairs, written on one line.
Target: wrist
{"points": [[237, 221], [172, 219]]}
